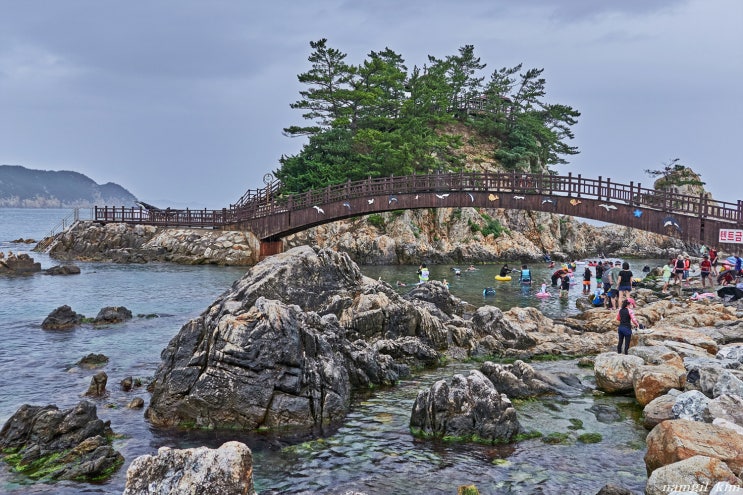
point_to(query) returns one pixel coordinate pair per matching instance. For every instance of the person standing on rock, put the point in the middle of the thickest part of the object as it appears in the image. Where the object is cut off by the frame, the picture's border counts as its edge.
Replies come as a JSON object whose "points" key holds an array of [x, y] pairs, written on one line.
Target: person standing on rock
{"points": [[666, 274], [599, 274], [705, 266], [626, 319], [713, 260], [625, 283], [678, 271]]}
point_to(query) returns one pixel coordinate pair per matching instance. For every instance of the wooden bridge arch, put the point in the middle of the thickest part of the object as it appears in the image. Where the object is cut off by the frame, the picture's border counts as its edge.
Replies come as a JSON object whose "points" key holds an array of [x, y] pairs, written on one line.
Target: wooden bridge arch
{"points": [[270, 215]]}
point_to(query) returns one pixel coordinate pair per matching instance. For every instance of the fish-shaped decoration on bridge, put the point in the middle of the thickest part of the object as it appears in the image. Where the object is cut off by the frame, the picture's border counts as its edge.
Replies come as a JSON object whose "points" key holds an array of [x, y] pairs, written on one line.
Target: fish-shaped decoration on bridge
{"points": [[548, 200], [607, 207], [391, 200], [442, 196], [518, 197], [492, 197], [320, 211], [575, 202], [672, 222]]}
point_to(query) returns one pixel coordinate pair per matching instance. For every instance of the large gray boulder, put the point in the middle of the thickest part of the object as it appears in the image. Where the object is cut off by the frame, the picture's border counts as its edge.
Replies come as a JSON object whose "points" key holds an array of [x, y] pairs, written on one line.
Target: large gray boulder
{"points": [[468, 408], [48, 444], [284, 347], [197, 471], [507, 333]]}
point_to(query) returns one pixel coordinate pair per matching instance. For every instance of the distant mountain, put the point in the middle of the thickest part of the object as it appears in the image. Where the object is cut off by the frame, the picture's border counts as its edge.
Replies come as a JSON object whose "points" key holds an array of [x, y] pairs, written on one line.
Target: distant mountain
{"points": [[21, 187]]}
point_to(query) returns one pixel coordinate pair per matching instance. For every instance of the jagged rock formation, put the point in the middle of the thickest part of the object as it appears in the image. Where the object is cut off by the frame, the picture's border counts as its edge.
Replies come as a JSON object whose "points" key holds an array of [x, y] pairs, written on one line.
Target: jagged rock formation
{"points": [[13, 264], [48, 444], [276, 355], [121, 243], [26, 188]]}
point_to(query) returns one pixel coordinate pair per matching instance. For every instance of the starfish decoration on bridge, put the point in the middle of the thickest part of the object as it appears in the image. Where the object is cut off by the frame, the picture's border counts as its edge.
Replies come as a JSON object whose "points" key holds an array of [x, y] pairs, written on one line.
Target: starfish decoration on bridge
{"points": [[637, 213], [370, 201]]}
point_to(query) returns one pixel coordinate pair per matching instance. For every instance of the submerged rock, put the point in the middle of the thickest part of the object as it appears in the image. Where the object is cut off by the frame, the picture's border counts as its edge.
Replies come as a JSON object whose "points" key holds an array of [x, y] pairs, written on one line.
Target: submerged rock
{"points": [[63, 270], [62, 318], [468, 408], [112, 314], [93, 360]]}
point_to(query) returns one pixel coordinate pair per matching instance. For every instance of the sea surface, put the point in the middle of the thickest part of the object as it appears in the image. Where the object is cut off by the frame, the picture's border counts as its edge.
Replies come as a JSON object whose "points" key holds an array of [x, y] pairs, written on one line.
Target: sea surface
{"points": [[372, 452]]}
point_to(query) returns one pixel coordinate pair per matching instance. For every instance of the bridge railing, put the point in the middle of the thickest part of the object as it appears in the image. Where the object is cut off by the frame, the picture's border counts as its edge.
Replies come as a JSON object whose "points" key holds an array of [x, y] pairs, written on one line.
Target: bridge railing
{"points": [[165, 217], [270, 201]]}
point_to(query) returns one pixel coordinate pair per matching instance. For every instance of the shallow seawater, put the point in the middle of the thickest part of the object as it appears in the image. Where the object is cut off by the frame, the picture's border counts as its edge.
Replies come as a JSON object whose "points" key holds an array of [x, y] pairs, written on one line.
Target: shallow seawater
{"points": [[372, 451]]}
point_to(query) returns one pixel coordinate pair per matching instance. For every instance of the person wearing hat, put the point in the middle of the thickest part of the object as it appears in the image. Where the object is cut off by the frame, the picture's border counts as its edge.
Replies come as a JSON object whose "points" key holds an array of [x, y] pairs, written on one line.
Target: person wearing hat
{"points": [[626, 319], [705, 267]]}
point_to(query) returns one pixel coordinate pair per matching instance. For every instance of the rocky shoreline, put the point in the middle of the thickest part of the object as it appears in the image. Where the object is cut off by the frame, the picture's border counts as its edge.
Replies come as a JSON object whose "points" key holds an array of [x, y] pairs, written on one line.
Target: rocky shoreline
{"points": [[288, 344], [445, 236]]}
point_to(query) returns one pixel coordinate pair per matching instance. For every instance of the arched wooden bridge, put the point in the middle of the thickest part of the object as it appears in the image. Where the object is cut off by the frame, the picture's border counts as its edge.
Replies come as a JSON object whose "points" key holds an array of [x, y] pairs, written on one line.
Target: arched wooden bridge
{"points": [[270, 215]]}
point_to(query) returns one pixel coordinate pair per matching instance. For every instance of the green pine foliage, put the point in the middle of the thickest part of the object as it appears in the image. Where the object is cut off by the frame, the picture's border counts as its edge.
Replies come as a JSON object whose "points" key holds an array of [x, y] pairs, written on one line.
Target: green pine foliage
{"points": [[379, 118]]}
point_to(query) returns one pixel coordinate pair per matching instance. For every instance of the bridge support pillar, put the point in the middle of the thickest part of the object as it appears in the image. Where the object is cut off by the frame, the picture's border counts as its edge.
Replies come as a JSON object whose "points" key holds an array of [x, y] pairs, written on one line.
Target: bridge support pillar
{"points": [[269, 248]]}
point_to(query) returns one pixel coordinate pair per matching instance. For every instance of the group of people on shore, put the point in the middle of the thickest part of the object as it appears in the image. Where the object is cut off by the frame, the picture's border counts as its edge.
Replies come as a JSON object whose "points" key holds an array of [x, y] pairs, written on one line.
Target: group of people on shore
{"points": [[614, 284]]}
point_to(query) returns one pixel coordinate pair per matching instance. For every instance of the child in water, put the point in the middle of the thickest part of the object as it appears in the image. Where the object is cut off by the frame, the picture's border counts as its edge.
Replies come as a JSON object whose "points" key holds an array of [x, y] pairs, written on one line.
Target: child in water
{"points": [[543, 289], [565, 287]]}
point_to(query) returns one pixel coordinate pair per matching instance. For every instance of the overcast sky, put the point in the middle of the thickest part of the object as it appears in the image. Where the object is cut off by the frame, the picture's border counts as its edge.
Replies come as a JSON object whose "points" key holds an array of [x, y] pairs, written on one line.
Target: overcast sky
{"points": [[183, 102]]}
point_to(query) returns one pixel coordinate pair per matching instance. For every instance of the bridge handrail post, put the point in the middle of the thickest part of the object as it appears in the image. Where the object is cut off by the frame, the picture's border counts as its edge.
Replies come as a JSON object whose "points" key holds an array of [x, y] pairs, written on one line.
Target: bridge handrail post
{"points": [[631, 200], [608, 189], [570, 184], [580, 186]]}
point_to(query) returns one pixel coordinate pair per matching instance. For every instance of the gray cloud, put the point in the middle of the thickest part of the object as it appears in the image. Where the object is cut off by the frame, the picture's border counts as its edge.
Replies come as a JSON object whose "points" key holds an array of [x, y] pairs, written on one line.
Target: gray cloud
{"points": [[185, 101]]}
